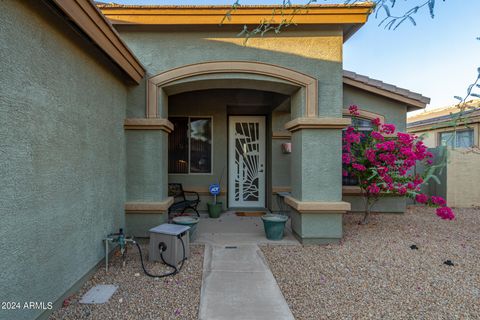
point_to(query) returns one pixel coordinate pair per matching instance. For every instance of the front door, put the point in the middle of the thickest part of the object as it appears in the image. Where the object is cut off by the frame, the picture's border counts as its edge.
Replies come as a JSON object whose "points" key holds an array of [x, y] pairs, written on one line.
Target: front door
{"points": [[246, 161]]}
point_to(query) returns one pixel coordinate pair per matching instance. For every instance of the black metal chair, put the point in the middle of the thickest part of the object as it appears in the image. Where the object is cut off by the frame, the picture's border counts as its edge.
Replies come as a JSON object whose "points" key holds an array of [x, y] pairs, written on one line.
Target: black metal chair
{"points": [[183, 200]]}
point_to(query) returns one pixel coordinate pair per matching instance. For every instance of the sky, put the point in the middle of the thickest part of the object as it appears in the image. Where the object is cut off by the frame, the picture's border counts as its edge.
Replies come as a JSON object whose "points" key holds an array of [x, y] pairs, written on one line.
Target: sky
{"points": [[438, 57]]}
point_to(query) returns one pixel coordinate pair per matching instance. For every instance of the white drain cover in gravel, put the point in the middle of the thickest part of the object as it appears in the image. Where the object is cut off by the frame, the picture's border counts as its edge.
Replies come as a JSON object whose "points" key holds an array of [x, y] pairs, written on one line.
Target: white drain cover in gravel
{"points": [[99, 294]]}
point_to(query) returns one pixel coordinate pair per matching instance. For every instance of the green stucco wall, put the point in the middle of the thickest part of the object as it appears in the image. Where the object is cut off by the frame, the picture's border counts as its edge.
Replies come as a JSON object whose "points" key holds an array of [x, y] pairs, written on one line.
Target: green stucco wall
{"points": [[62, 155], [318, 54], [393, 111]]}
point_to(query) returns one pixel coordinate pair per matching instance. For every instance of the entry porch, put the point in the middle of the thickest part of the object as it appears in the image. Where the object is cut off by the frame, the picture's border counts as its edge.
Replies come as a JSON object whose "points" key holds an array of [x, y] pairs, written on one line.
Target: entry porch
{"points": [[252, 128]]}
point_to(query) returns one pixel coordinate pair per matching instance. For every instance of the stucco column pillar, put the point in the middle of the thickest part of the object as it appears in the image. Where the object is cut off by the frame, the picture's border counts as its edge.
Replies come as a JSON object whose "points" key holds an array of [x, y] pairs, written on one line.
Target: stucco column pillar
{"points": [[316, 200], [147, 174]]}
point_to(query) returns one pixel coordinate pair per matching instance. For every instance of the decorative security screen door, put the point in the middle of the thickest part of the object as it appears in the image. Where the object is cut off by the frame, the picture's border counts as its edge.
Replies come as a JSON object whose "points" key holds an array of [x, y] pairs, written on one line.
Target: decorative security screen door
{"points": [[246, 162]]}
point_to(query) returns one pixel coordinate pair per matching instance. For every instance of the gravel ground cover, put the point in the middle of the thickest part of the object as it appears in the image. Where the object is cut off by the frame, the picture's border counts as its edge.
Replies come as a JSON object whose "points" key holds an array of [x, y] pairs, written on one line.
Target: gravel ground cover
{"points": [[374, 274], [140, 296]]}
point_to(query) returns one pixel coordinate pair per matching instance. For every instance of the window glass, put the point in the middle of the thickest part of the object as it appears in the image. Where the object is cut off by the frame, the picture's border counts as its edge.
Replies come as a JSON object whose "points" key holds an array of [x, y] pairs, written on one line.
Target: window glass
{"points": [[178, 146], [465, 138], [459, 139], [362, 124], [200, 145], [190, 145], [447, 139]]}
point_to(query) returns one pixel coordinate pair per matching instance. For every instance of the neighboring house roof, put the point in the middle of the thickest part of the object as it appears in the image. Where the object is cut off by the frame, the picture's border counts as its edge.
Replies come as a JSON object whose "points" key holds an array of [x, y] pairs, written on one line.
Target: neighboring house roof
{"points": [[442, 117], [350, 17], [413, 100]]}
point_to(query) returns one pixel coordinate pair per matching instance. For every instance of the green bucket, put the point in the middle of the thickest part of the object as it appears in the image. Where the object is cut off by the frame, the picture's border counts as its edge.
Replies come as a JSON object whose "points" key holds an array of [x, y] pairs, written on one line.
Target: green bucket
{"points": [[214, 210], [188, 221], [274, 225]]}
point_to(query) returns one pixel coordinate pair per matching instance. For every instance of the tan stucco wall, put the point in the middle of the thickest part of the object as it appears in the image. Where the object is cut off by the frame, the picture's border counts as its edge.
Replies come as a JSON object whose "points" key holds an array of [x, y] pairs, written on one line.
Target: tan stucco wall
{"points": [[463, 176]]}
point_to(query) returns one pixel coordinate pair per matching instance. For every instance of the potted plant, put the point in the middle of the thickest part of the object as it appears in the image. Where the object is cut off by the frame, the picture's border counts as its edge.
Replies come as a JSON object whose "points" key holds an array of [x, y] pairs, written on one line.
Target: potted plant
{"points": [[274, 223], [215, 207]]}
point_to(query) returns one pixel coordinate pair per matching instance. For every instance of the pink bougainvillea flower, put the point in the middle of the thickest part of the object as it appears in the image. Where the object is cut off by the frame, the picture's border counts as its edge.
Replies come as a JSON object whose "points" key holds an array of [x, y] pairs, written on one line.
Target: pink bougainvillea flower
{"points": [[388, 179], [346, 158], [352, 137], [353, 109], [421, 198], [418, 180], [376, 122], [439, 201], [377, 136], [388, 128], [404, 138], [344, 173], [370, 155], [388, 158], [373, 189], [359, 167], [402, 191], [445, 213], [386, 146]]}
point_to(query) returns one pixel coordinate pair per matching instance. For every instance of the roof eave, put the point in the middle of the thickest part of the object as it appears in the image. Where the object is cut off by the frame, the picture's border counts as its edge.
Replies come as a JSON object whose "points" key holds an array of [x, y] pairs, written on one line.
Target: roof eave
{"points": [[414, 101], [350, 17], [86, 16]]}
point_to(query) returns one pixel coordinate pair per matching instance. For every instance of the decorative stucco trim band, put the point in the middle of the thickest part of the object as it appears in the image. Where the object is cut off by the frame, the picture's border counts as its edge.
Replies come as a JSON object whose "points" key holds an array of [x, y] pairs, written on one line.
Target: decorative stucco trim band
{"points": [[317, 206], [148, 124], [276, 189], [148, 207], [301, 80], [317, 123], [284, 135], [366, 115], [346, 190], [88, 18]]}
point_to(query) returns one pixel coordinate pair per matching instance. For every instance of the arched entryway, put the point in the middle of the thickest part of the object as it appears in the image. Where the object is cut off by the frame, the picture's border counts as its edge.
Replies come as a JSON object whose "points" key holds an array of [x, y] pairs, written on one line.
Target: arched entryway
{"points": [[286, 110]]}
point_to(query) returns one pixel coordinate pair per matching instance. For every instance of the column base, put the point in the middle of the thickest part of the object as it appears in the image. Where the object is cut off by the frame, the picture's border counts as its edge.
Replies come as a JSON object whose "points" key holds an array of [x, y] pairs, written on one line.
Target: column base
{"points": [[315, 241], [317, 221], [317, 227]]}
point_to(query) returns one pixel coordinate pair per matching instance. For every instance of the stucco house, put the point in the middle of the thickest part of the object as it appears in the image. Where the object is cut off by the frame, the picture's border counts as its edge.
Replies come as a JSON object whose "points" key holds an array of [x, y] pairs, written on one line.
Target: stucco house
{"points": [[455, 136], [447, 126], [103, 106]]}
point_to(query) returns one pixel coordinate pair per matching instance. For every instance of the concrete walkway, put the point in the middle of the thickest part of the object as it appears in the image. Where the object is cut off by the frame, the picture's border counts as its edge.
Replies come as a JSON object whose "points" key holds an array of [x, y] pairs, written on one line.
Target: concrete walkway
{"points": [[237, 284]]}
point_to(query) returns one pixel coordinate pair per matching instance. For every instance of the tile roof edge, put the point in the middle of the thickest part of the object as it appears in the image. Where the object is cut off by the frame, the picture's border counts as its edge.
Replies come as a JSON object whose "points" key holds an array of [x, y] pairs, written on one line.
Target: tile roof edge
{"points": [[385, 86]]}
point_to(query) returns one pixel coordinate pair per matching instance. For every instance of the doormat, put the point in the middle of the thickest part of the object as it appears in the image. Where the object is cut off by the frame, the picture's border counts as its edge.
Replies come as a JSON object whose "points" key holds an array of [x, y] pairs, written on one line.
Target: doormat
{"points": [[250, 213]]}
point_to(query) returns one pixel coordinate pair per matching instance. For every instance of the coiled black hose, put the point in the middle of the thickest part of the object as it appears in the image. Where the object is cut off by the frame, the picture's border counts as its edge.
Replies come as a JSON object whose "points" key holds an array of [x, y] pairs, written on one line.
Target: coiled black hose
{"points": [[174, 272]]}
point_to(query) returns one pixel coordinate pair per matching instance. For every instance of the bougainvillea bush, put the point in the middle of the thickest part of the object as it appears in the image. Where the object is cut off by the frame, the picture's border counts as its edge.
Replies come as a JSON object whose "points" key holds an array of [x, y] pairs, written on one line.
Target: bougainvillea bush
{"points": [[382, 160]]}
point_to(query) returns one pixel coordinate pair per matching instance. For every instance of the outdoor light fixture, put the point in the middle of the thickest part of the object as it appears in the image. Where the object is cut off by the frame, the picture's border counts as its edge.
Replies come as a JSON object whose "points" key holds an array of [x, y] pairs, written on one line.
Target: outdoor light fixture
{"points": [[287, 147]]}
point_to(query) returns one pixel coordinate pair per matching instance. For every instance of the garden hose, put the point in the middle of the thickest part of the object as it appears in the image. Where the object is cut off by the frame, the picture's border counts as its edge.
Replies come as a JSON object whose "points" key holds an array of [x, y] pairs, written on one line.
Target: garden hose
{"points": [[174, 272]]}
